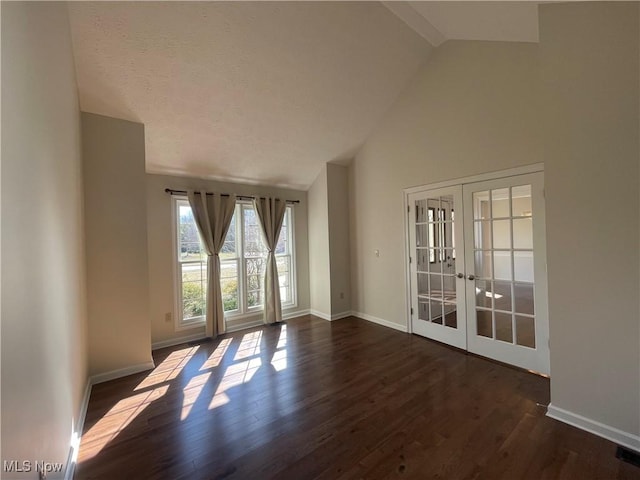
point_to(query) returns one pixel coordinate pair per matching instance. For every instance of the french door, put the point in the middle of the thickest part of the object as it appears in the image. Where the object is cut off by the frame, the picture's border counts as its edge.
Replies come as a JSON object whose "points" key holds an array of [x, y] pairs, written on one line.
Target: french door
{"points": [[477, 268], [436, 296]]}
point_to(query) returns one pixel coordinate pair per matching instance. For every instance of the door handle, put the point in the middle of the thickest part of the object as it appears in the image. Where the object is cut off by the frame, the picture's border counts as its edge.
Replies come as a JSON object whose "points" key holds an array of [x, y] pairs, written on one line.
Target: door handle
{"points": [[471, 277], [460, 275]]}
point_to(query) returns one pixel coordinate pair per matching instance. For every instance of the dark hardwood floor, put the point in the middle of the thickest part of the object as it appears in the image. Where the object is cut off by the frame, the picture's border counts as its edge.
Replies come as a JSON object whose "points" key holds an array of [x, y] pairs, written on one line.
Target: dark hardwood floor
{"points": [[332, 400]]}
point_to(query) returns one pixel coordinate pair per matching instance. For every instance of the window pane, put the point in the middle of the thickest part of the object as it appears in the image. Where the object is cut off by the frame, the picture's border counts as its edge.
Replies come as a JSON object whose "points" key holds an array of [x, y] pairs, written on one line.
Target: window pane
{"points": [[283, 265], [482, 235], [254, 282], [523, 266], [189, 238], [526, 331], [524, 298], [253, 246], [229, 294], [254, 299], [190, 252], [255, 266], [281, 246], [481, 205], [229, 249], [501, 234], [521, 199], [229, 284], [284, 278], [504, 327], [484, 324], [502, 296], [500, 203], [484, 294], [482, 263], [502, 265], [194, 285], [424, 234], [436, 311], [421, 211]]}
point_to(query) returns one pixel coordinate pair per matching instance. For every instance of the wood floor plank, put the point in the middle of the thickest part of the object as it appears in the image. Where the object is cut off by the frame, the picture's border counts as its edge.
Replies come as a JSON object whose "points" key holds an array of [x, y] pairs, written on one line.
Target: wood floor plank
{"points": [[332, 400]]}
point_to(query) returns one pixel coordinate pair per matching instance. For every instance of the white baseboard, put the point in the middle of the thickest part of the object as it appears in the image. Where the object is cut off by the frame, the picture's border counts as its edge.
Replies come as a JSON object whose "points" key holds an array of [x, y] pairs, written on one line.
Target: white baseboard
{"points": [[338, 316], [245, 325], [322, 315], [177, 341], [122, 372], [617, 436], [77, 434], [296, 314], [380, 321], [258, 322], [331, 318]]}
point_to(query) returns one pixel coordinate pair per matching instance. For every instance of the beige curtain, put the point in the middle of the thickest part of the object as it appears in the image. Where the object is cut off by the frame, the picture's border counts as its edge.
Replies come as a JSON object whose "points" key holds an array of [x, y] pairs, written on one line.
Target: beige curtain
{"points": [[213, 214], [270, 212]]}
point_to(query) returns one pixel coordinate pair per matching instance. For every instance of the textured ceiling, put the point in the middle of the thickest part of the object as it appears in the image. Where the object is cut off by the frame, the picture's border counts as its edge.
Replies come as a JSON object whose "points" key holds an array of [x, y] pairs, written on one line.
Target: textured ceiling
{"points": [[252, 92]]}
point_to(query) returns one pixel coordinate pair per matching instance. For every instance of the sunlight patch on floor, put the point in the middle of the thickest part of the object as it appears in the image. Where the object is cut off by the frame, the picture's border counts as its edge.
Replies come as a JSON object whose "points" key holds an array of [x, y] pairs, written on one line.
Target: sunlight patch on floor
{"points": [[235, 375], [216, 356], [218, 400], [116, 420], [249, 346], [279, 360], [282, 339], [191, 393], [169, 368]]}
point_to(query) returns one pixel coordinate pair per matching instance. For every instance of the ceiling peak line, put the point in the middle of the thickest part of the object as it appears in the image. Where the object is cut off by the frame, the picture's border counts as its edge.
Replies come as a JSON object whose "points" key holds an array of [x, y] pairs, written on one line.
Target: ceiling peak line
{"points": [[423, 27]]}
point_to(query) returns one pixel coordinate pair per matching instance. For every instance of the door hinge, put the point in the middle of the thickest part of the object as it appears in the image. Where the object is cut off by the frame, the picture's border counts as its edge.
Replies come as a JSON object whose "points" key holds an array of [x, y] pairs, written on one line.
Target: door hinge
{"points": [[409, 259], [408, 209], [411, 310]]}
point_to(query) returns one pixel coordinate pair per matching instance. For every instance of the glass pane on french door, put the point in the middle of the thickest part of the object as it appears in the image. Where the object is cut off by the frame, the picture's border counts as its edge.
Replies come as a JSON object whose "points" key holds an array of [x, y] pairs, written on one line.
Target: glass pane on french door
{"points": [[506, 277], [438, 307]]}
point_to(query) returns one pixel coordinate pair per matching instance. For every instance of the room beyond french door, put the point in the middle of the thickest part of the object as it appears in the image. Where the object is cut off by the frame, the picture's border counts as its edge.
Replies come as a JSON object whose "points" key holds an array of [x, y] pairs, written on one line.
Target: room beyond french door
{"points": [[477, 268]]}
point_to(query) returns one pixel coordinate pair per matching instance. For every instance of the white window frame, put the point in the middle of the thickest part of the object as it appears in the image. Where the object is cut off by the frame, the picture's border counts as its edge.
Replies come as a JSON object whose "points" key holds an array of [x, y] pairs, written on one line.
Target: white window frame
{"points": [[179, 322], [243, 309]]}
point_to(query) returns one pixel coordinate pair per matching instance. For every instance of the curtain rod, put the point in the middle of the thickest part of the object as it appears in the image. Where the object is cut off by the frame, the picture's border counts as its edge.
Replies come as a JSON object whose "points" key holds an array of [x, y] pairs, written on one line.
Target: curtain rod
{"points": [[241, 197]]}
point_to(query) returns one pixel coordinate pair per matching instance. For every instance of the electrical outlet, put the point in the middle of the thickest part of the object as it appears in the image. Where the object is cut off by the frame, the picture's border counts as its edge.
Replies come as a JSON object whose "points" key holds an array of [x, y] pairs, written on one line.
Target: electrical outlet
{"points": [[341, 295], [167, 317]]}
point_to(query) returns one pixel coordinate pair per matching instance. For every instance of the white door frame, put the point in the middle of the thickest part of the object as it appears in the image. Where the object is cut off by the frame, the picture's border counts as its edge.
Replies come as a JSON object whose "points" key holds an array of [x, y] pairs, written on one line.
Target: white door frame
{"points": [[534, 168]]}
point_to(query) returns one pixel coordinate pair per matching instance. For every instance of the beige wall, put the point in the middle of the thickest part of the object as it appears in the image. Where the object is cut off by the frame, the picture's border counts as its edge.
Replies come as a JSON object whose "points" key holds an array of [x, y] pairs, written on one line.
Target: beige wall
{"points": [[116, 233], [478, 107], [44, 356], [319, 263], [471, 109], [161, 258], [589, 58], [330, 275], [338, 214]]}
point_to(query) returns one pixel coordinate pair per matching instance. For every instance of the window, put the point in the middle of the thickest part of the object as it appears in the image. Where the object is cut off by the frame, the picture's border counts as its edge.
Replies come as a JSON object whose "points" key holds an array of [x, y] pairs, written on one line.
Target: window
{"points": [[242, 264], [191, 267]]}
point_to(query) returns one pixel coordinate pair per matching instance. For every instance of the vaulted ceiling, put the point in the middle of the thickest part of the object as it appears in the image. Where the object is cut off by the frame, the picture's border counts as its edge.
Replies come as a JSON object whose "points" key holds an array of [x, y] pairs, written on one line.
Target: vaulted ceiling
{"points": [[260, 92]]}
